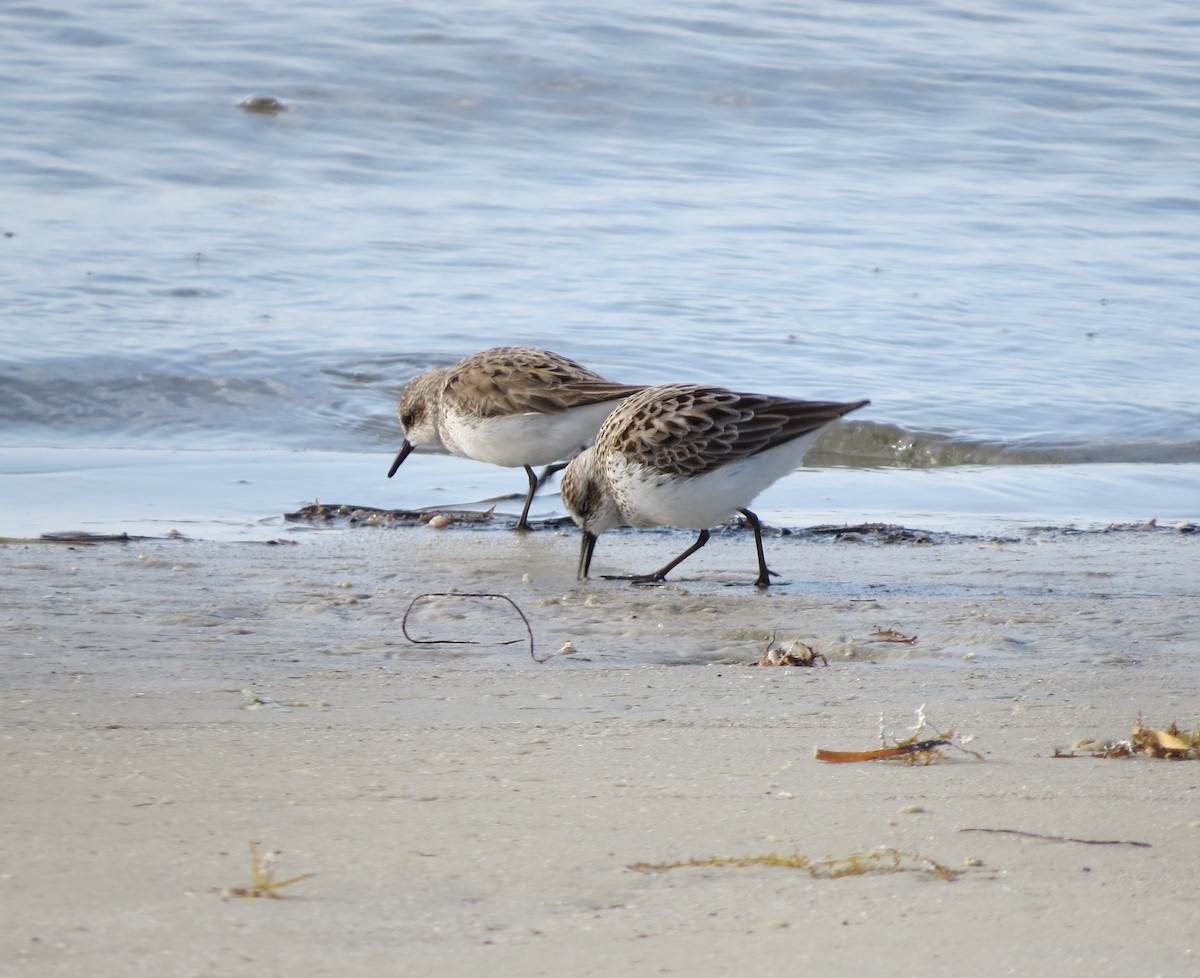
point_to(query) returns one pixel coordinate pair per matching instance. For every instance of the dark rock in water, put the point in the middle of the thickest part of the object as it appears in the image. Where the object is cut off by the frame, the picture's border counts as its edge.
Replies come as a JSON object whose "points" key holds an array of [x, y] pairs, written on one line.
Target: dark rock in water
{"points": [[262, 104]]}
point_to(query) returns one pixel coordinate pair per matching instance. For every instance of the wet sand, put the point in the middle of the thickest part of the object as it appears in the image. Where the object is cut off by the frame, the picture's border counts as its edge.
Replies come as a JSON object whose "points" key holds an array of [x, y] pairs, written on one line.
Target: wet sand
{"points": [[467, 810]]}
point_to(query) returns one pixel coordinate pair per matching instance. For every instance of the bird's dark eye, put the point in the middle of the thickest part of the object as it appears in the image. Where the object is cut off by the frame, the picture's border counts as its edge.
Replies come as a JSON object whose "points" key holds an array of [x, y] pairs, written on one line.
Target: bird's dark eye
{"points": [[407, 419], [586, 504]]}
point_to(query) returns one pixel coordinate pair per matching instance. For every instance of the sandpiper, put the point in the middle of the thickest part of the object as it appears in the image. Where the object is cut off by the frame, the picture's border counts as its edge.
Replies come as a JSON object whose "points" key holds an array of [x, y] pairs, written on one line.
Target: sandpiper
{"points": [[515, 406], [690, 456]]}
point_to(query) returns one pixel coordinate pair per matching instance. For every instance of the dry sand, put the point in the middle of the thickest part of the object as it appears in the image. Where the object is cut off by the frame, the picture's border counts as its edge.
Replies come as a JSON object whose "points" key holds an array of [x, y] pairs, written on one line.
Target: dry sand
{"points": [[468, 811]]}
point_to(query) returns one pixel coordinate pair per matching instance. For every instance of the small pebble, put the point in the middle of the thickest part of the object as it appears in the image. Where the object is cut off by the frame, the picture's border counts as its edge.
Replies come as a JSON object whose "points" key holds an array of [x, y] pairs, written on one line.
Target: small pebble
{"points": [[439, 521], [912, 809]]}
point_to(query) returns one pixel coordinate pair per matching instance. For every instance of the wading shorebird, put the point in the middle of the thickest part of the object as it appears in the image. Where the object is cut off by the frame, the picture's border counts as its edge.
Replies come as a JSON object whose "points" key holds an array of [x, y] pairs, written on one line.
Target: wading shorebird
{"points": [[690, 456], [514, 406]]}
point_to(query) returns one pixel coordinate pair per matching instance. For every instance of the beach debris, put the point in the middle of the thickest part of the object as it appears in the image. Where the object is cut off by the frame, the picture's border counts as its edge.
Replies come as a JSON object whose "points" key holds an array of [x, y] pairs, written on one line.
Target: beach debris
{"points": [[469, 595], [258, 699], [910, 749], [79, 537], [568, 648], [1169, 744], [796, 654], [1182, 526], [877, 862], [264, 883], [892, 635], [1060, 838], [318, 512], [885, 533]]}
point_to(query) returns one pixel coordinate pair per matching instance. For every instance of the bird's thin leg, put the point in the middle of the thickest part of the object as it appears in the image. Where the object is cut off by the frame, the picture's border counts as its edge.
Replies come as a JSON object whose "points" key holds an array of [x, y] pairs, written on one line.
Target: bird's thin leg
{"points": [[523, 522], [764, 575], [549, 472], [660, 575]]}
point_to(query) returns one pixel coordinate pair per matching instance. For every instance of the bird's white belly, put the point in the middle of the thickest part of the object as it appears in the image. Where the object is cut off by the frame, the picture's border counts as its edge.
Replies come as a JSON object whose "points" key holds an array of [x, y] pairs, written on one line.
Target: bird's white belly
{"points": [[524, 439], [648, 498]]}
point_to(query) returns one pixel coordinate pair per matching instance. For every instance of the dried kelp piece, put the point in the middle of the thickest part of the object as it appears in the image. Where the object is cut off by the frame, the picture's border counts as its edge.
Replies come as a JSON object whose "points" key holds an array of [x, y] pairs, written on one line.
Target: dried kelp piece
{"points": [[921, 750], [264, 883], [797, 654], [878, 862], [468, 641], [910, 749]]}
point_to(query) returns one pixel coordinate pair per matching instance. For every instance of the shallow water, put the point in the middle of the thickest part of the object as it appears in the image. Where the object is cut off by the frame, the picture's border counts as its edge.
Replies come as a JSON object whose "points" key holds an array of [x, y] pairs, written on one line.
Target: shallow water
{"points": [[982, 217], [245, 496]]}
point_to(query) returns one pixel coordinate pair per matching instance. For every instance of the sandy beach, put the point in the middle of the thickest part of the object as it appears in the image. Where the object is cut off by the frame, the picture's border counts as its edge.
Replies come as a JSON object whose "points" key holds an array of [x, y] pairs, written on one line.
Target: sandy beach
{"points": [[468, 810]]}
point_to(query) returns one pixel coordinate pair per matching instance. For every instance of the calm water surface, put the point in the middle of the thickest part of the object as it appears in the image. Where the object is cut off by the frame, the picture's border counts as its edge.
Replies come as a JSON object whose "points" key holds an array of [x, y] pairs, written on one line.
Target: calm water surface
{"points": [[983, 216]]}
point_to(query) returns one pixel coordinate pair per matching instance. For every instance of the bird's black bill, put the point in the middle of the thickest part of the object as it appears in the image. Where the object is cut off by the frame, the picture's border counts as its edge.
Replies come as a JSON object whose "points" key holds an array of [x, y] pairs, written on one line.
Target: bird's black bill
{"points": [[400, 457], [586, 545]]}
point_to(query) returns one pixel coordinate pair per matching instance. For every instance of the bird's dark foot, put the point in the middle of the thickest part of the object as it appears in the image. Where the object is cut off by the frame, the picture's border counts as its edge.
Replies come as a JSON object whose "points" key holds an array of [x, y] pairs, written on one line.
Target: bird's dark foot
{"points": [[637, 579], [758, 584], [763, 584], [765, 581]]}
